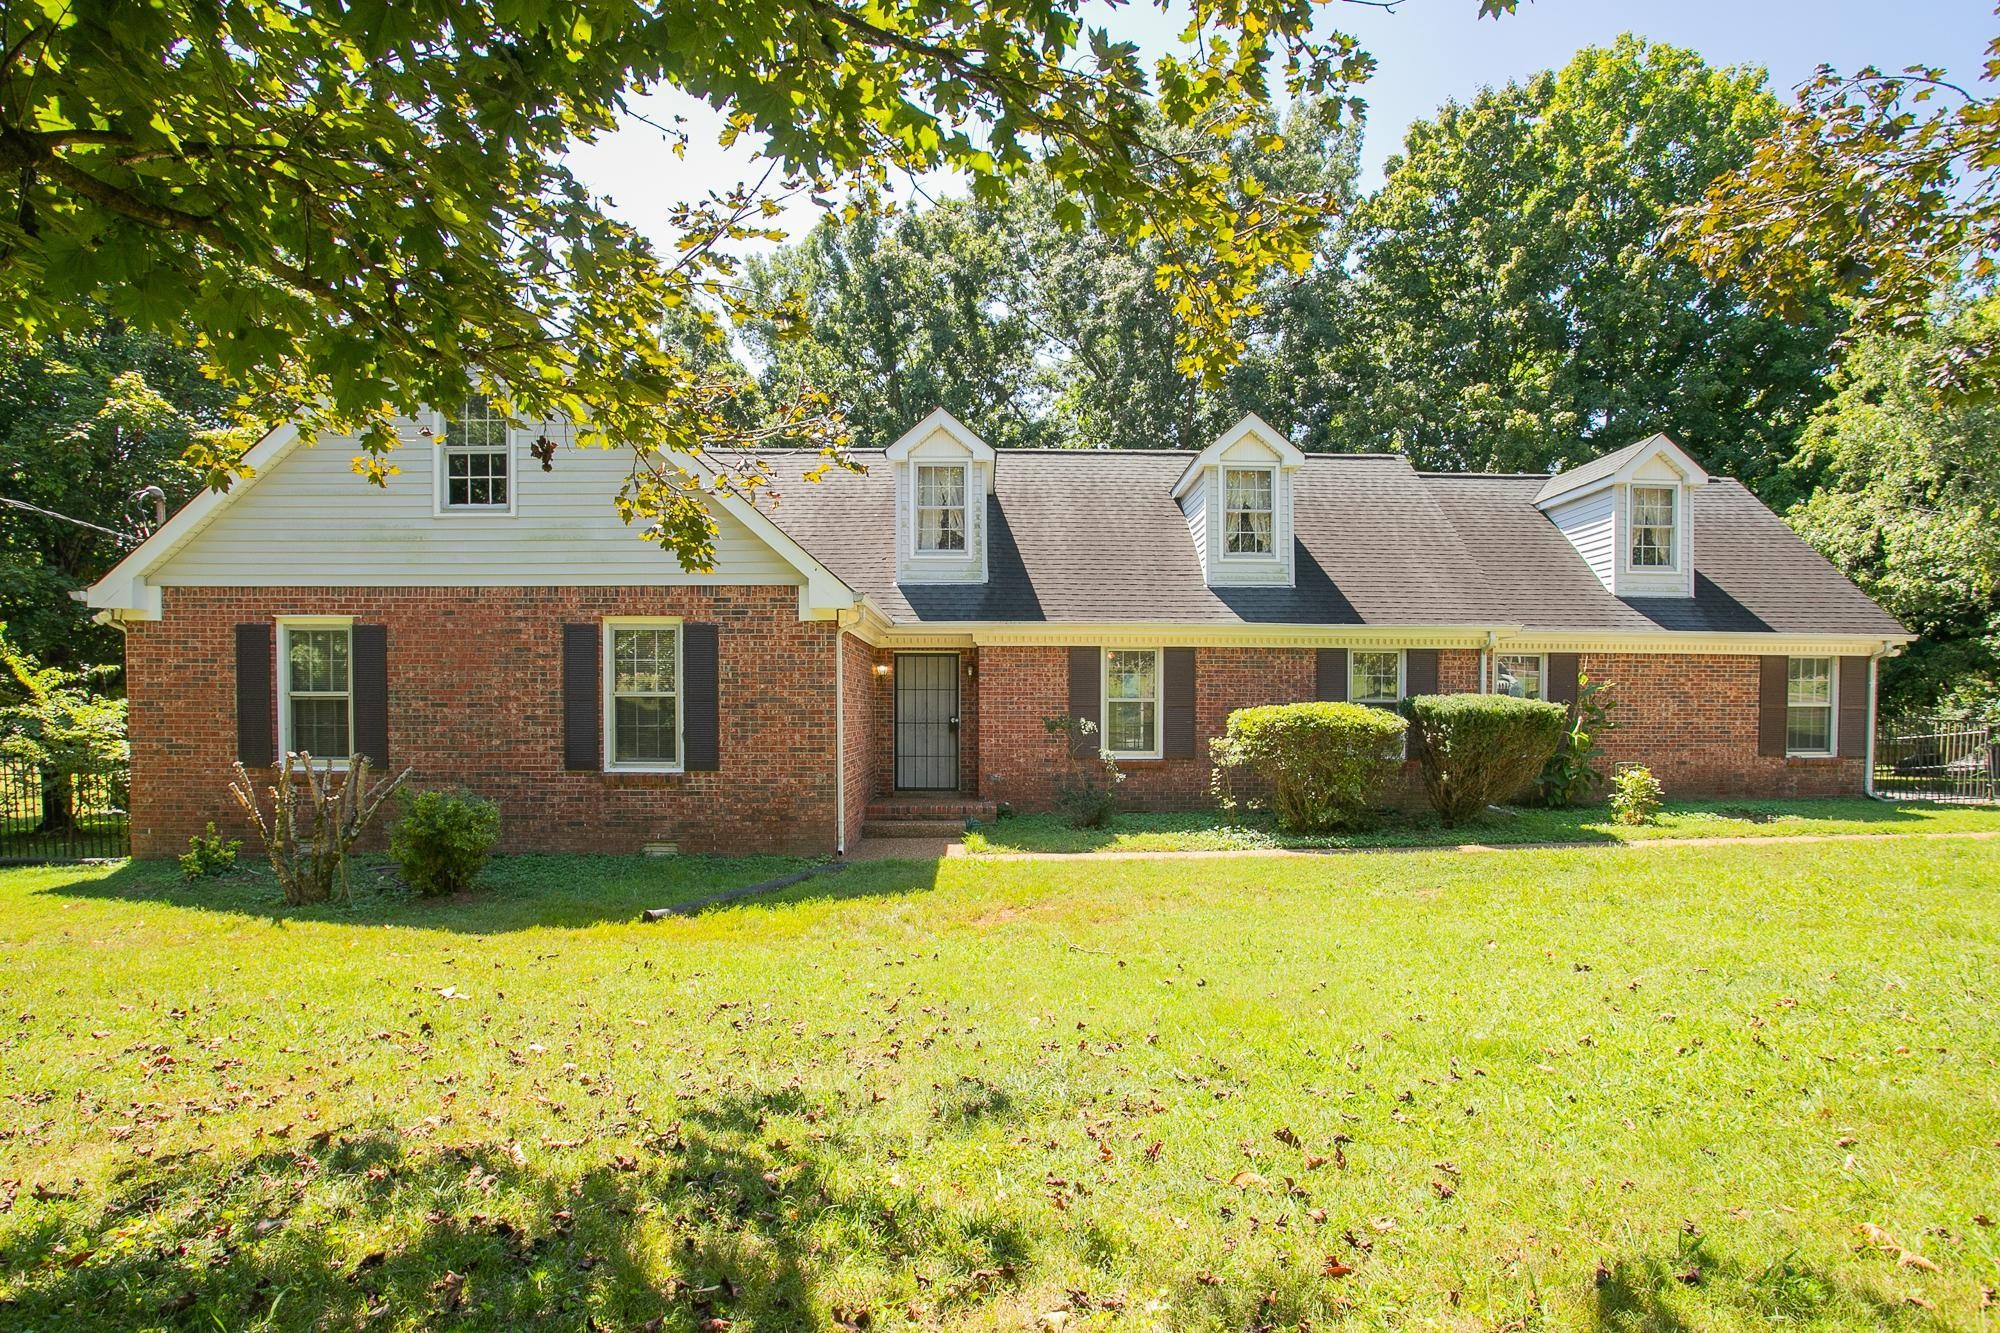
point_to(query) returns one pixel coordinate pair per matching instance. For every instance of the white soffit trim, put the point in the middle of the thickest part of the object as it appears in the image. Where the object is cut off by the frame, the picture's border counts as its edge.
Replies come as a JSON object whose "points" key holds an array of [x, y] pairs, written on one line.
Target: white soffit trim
{"points": [[1586, 478], [1252, 426]]}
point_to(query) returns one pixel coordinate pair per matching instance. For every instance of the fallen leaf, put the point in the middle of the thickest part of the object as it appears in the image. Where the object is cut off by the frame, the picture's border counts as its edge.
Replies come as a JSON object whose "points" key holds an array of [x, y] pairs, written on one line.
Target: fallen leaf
{"points": [[1247, 1179], [1335, 1268]]}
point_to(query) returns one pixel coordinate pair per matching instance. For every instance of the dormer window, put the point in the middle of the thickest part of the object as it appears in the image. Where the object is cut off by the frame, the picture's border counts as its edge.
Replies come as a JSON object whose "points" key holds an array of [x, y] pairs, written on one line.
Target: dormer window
{"points": [[1653, 527], [1249, 510], [940, 510], [475, 461]]}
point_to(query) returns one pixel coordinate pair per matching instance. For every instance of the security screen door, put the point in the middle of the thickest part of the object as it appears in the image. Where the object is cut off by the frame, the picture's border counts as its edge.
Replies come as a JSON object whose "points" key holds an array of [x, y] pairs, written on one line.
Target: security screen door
{"points": [[927, 721]]}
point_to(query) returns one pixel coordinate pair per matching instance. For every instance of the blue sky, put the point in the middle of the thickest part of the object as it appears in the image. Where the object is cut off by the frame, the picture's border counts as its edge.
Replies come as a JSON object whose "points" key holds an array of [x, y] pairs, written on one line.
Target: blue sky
{"points": [[1429, 51]]}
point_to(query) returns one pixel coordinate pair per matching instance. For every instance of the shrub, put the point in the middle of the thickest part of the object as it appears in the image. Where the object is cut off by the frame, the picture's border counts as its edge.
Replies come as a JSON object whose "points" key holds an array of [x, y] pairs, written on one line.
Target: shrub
{"points": [[1572, 775], [1476, 749], [1635, 795], [208, 854], [314, 822], [444, 839], [1325, 762], [1087, 786]]}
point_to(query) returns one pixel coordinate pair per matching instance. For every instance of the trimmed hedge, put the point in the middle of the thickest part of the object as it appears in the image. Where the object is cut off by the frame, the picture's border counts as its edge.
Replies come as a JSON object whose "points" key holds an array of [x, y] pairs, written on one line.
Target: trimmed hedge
{"points": [[1325, 761], [1478, 749]]}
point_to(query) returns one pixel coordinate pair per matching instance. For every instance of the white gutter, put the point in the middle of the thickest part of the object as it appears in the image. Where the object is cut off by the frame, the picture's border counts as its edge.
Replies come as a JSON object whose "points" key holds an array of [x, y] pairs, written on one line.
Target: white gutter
{"points": [[1868, 747]]}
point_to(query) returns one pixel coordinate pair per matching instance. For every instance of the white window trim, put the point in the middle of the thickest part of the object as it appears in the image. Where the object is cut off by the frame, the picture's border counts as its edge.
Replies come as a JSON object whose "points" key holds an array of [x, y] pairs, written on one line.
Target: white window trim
{"points": [[1159, 703], [1402, 677], [608, 700], [1541, 672], [1222, 501], [286, 624], [441, 447], [917, 551], [1832, 707], [1675, 534]]}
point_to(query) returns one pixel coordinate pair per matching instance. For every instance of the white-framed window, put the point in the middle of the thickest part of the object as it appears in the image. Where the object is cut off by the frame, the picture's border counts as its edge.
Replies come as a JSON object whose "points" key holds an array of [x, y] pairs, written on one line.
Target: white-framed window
{"points": [[475, 461], [1809, 706], [642, 695], [316, 689], [1249, 511], [1522, 675], [1131, 722], [1374, 677], [1652, 521], [941, 509]]}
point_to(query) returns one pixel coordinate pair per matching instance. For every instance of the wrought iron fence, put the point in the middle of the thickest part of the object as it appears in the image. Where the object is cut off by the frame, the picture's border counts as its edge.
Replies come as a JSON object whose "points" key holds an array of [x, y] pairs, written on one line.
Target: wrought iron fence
{"points": [[47, 815], [1937, 759]]}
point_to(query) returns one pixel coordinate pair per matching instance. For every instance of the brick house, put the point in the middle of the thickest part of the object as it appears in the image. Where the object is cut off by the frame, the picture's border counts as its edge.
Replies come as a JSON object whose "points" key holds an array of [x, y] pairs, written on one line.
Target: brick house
{"points": [[893, 640]]}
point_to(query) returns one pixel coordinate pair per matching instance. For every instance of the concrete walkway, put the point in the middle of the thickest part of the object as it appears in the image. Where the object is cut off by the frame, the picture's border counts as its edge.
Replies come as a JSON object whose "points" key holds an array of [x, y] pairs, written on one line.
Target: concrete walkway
{"points": [[957, 849]]}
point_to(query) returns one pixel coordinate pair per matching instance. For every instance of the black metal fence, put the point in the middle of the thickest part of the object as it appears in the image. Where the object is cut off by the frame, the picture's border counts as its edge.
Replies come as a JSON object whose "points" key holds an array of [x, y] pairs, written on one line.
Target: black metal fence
{"points": [[1937, 759], [46, 815]]}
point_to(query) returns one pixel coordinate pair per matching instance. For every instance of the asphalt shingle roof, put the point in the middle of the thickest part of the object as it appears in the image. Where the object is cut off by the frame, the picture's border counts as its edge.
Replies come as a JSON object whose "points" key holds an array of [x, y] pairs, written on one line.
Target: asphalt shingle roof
{"points": [[1095, 536]]}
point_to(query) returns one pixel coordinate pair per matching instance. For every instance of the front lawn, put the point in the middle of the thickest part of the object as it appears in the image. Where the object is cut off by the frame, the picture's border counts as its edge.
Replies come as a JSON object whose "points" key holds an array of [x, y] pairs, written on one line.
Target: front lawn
{"points": [[1661, 1089], [1201, 831]]}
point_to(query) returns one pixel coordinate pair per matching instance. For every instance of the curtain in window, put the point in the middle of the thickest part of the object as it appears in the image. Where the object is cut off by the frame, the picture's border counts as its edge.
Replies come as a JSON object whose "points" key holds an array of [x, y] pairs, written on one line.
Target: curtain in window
{"points": [[1652, 527], [1247, 510], [940, 509]]}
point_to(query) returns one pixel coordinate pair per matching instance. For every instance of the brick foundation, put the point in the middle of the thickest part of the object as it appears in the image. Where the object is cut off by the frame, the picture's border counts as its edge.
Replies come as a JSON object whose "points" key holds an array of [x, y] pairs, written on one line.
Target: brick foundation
{"points": [[475, 699]]}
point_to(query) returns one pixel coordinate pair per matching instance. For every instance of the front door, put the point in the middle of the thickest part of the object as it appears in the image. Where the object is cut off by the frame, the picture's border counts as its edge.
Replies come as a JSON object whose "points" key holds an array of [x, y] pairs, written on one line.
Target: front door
{"points": [[927, 721]]}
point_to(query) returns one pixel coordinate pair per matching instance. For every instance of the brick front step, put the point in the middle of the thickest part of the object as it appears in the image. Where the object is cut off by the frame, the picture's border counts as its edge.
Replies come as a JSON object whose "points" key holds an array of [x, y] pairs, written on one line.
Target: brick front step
{"points": [[930, 809], [913, 828]]}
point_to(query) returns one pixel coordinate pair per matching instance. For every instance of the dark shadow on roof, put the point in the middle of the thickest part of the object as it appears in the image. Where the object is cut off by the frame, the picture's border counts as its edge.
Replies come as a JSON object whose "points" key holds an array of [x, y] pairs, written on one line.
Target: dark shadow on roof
{"points": [[1316, 600], [1709, 611], [1007, 594]]}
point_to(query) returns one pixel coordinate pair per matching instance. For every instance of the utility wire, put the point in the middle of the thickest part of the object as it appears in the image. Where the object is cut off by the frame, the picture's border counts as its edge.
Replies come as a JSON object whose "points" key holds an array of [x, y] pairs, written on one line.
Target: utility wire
{"points": [[123, 538]]}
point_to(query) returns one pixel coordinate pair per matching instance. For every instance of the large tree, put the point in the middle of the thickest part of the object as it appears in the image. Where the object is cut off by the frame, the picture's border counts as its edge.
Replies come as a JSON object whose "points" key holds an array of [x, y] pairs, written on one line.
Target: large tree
{"points": [[359, 206], [88, 421], [1032, 332], [1516, 310], [1910, 508]]}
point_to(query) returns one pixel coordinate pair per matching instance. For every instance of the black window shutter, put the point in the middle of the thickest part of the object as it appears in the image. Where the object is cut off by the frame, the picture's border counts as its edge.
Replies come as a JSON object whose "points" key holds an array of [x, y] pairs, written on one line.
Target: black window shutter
{"points": [[369, 655], [1420, 672], [1177, 689], [581, 689], [1772, 680], [1853, 707], [701, 699], [256, 696], [1086, 694], [1560, 686], [1330, 675]]}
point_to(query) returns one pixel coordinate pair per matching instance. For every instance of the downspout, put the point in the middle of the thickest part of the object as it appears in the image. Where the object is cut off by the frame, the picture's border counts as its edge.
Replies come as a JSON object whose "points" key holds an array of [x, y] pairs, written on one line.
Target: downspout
{"points": [[1488, 660], [1868, 749], [840, 732]]}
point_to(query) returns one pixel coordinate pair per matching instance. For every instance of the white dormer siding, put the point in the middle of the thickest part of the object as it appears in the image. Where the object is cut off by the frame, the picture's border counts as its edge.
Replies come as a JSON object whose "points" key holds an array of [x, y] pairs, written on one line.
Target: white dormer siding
{"points": [[1630, 515], [944, 474], [1237, 498]]}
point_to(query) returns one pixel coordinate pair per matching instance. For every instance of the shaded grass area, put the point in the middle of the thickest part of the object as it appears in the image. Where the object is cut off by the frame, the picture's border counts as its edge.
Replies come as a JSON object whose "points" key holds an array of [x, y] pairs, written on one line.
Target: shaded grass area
{"points": [[1571, 1089], [1212, 831]]}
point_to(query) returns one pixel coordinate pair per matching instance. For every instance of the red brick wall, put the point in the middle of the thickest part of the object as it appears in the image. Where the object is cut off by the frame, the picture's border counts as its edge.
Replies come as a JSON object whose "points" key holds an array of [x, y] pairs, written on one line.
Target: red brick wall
{"points": [[475, 698], [865, 752], [1692, 719]]}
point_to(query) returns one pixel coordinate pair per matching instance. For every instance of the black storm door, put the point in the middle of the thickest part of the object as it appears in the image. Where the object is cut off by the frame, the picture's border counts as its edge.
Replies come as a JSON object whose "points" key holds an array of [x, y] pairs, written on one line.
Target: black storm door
{"points": [[927, 721]]}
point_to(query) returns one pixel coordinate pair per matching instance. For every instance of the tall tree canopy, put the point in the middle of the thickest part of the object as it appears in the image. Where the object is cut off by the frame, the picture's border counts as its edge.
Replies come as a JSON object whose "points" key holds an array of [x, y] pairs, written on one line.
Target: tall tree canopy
{"points": [[1031, 332], [361, 206], [1910, 508], [1884, 188], [1515, 308], [87, 421]]}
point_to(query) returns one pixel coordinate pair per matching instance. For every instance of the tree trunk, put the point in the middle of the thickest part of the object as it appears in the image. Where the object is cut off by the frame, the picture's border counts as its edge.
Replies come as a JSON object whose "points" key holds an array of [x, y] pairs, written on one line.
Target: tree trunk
{"points": [[58, 803]]}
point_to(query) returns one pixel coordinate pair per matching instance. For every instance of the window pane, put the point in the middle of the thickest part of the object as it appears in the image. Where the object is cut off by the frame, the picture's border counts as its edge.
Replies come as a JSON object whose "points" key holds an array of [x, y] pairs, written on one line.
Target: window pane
{"points": [[1247, 511], [642, 661], [1372, 677], [1129, 727], [940, 508], [1652, 527], [479, 425], [1130, 675], [1808, 730], [1519, 676], [318, 660], [643, 731], [1809, 680], [319, 727]]}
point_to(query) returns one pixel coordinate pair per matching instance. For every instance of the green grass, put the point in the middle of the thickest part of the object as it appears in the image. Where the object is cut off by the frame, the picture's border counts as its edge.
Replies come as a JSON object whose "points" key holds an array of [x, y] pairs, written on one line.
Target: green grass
{"points": [[1211, 831], [1626, 1089]]}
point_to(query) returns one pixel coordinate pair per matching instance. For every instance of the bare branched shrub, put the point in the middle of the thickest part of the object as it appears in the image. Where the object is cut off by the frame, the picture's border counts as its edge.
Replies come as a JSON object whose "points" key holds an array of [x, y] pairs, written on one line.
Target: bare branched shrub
{"points": [[316, 817]]}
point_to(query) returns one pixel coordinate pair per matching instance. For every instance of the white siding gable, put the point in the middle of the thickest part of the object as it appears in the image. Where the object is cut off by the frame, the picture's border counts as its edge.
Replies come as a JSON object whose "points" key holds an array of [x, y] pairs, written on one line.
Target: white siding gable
{"points": [[1587, 522], [309, 520], [1592, 507], [941, 442], [1203, 496]]}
